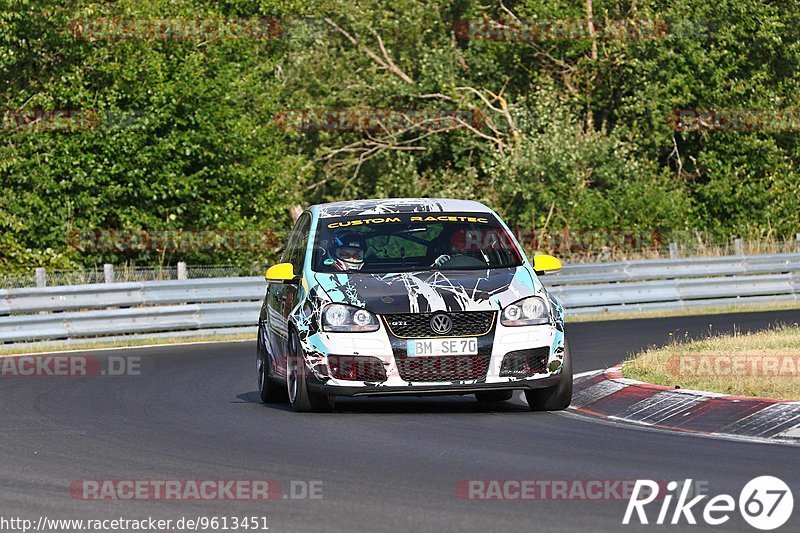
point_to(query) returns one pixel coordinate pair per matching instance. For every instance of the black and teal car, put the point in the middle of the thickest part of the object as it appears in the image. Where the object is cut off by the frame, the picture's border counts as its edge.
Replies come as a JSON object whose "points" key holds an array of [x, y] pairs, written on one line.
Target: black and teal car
{"points": [[409, 297]]}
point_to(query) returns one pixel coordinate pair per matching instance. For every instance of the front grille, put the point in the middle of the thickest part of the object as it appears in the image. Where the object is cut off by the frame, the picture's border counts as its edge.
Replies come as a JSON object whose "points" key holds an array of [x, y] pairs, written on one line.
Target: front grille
{"points": [[356, 368], [417, 325], [443, 368], [522, 363]]}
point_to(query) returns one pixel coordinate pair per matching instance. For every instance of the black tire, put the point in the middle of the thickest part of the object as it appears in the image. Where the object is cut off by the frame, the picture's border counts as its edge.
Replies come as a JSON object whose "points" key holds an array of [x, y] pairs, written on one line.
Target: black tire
{"points": [[268, 389], [301, 398], [491, 396], [559, 396]]}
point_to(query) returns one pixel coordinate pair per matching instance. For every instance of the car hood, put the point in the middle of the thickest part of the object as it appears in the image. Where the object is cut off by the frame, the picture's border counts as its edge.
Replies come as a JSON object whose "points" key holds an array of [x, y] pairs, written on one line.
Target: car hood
{"points": [[428, 291]]}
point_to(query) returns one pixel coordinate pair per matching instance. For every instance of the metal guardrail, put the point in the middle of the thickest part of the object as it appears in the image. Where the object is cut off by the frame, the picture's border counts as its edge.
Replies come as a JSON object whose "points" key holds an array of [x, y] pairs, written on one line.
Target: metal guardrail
{"points": [[41, 277], [694, 267], [142, 293], [103, 309], [666, 284], [133, 320]]}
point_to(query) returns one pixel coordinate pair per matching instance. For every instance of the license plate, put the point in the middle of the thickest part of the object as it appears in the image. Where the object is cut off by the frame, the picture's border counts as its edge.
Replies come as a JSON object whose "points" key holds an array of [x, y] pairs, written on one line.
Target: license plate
{"points": [[455, 346]]}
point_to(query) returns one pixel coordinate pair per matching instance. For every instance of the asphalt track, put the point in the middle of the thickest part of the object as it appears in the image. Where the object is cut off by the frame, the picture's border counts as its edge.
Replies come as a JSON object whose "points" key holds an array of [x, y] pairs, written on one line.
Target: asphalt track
{"points": [[384, 464]]}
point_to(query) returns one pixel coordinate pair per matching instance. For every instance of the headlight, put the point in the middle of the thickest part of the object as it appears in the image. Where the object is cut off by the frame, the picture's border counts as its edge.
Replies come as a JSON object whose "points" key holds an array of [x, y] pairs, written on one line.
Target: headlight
{"points": [[346, 318], [527, 312]]}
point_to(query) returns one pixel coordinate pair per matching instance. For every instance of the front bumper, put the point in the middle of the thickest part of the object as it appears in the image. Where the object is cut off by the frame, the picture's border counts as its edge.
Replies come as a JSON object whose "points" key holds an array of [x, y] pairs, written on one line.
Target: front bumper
{"points": [[387, 349], [426, 389]]}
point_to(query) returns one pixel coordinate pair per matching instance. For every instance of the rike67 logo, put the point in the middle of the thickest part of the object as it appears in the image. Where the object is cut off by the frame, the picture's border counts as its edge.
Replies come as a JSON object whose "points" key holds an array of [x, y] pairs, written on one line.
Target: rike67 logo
{"points": [[765, 503]]}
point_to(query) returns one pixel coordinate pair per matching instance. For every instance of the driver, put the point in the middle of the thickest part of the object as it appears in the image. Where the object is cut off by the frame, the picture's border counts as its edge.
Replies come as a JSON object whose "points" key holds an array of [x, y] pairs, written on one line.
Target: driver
{"points": [[468, 243], [455, 246], [347, 251]]}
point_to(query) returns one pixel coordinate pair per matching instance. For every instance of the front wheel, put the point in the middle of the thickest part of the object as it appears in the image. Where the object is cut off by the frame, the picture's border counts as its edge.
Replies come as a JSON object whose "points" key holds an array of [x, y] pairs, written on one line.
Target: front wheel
{"points": [[300, 397], [269, 391], [559, 396]]}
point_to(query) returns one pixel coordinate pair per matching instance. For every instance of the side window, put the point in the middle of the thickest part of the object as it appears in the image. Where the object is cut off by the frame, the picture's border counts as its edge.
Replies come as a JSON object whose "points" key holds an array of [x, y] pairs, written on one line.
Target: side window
{"points": [[287, 251], [296, 250]]}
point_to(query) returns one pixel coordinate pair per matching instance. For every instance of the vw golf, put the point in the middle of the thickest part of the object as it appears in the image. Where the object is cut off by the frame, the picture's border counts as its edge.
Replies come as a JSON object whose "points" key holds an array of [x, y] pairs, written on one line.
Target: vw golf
{"points": [[409, 297]]}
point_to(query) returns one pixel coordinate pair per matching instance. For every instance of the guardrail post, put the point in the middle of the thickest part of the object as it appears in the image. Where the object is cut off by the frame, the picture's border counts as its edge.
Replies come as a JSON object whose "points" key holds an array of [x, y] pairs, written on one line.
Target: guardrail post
{"points": [[182, 270], [41, 277], [108, 273], [737, 247], [797, 241], [673, 250]]}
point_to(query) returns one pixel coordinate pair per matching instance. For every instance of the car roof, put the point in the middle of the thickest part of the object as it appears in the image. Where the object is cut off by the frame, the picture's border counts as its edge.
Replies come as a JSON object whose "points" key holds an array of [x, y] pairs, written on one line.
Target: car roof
{"points": [[382, 206]]}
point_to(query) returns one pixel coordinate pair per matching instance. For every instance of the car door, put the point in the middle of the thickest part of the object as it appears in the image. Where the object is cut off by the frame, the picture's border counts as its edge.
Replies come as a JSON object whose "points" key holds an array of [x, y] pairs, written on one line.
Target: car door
{"points": [[282, 297]]}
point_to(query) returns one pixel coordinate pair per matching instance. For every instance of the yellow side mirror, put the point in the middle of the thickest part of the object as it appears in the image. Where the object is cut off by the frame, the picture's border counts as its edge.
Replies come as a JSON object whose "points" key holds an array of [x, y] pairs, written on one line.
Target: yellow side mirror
{"points": [[545, 263], [280, 273]]}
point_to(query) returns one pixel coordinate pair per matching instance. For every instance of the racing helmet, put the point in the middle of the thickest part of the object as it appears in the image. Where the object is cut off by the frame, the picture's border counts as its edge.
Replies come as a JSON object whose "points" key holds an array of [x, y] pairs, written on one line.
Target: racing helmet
{"points": [[347, 249]]}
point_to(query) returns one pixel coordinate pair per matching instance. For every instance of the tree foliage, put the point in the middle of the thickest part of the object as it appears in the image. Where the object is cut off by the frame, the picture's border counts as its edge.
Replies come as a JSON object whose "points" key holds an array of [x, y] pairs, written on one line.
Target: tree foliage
{"points": [[573, 132]]}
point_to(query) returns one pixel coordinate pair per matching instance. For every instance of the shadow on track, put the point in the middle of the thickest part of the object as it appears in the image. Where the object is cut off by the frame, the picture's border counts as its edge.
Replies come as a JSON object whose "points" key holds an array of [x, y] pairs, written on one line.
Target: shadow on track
{"points": [[409, 405]]}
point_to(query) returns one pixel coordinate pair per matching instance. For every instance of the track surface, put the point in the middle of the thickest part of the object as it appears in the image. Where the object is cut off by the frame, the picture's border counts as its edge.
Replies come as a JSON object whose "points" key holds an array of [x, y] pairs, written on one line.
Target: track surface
{"points": [[385, 464]]}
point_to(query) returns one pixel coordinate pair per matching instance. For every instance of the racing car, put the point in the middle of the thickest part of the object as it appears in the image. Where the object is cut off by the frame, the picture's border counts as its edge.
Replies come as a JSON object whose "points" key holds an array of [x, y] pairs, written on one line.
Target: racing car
{"points": [[409, 297]]}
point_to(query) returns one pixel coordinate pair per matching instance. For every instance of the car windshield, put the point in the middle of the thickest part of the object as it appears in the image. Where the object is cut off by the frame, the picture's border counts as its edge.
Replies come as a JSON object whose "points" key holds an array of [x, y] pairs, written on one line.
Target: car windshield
{"points": [[407, 242]]}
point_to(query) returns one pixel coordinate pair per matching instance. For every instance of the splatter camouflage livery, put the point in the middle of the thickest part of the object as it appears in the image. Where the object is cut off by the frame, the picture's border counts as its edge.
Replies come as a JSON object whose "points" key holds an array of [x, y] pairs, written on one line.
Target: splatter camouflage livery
{"points": [[387, 295]]}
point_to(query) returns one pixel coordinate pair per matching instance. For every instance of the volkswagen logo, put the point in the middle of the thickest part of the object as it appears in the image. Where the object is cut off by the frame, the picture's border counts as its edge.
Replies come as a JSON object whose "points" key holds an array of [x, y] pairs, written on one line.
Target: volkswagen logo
{"points": [[441, 324]]}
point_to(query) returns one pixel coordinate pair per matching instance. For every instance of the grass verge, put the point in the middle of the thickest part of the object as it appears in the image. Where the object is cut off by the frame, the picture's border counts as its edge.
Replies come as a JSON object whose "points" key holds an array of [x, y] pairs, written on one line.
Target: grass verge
{"points": [[100, 344], [764, 364], [692, 311]]}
